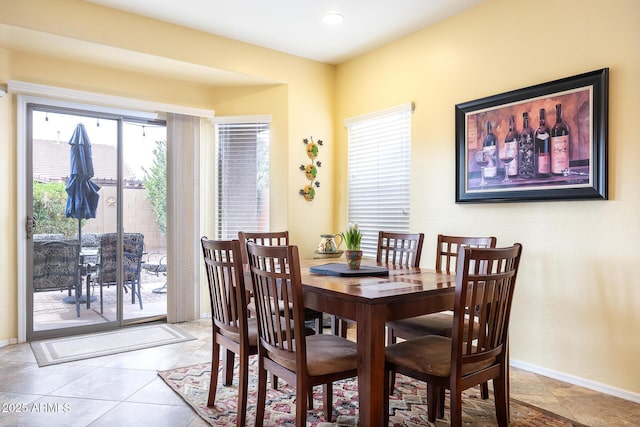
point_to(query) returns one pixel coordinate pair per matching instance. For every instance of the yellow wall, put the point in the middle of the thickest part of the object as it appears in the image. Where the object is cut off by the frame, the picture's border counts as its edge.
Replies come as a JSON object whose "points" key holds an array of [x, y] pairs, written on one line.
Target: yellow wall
{"points": [[300, 98], [8, 257], [577, 303]]}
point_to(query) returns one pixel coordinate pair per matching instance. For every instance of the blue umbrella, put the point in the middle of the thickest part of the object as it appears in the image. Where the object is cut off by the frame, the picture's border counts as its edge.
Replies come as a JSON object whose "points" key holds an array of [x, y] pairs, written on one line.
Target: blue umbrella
{"points": [[82, 202]]}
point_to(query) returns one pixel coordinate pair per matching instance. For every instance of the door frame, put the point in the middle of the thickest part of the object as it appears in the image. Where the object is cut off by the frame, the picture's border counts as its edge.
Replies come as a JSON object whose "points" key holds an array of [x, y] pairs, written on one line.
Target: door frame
{"points": [[188, 296]]}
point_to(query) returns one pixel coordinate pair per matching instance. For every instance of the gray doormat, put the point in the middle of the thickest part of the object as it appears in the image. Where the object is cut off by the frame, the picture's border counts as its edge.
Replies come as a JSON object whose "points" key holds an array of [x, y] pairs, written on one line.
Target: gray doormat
{"points": [[78, 347]]}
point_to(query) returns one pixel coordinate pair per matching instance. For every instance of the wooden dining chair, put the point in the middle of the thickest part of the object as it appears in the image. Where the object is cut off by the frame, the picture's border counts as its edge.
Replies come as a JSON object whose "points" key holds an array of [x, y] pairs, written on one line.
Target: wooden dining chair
{"points": [[485, 281], [400, 249], [303, 361], [438, 323], [277, 238], [232, 328], [265, 238]]}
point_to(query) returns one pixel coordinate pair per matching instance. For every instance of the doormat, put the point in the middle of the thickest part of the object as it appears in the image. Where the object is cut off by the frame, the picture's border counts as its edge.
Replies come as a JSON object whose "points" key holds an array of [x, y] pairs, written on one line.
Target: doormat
{"points": [[407, 405], [79, 347]]}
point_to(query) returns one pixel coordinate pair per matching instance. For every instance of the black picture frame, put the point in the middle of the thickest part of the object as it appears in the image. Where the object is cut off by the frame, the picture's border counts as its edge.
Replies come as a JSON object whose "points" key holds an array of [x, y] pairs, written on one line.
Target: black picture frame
{"points": [[584, 101]]}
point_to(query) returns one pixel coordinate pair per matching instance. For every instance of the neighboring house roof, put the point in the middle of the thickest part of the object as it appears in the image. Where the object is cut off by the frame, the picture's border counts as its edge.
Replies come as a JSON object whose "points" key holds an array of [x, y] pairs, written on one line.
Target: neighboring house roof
{"points": [[51, 162]]}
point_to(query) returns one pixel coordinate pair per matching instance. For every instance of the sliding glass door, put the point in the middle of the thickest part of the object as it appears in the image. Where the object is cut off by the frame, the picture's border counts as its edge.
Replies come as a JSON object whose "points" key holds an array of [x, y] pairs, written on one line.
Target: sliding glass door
{"points": [[96, 207]]}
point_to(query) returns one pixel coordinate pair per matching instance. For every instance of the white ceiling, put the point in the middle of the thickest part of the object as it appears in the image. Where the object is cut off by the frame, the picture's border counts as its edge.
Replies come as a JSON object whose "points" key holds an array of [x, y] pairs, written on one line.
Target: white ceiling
{"points": [[296, 26]]}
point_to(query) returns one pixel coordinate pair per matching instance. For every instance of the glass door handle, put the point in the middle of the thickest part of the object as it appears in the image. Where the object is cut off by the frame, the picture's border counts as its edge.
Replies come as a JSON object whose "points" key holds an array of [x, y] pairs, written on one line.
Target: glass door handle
{"points": [[31, 225]]}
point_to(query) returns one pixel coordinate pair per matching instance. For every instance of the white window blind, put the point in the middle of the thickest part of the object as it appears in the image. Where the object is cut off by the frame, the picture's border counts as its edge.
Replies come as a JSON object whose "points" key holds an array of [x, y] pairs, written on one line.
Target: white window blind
{"points": [[242, 178], [379, 173]]}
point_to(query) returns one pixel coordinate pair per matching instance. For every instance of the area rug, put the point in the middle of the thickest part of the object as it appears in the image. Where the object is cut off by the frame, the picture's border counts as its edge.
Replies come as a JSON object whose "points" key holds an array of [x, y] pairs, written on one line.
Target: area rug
{"points": [[78, 347], [408, 404]]}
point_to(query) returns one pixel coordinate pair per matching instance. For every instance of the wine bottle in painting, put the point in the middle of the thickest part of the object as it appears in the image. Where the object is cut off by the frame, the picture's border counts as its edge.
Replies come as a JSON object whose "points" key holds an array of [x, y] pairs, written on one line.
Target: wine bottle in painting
{"points": [[559, 144], [525, 149], [489, 146], [542, 148], [511, 144]]}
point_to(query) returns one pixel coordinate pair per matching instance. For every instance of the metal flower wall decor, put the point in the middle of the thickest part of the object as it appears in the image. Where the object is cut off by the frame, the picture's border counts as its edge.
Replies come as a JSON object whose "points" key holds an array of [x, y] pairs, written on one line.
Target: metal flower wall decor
{"points": [[311, 169]]}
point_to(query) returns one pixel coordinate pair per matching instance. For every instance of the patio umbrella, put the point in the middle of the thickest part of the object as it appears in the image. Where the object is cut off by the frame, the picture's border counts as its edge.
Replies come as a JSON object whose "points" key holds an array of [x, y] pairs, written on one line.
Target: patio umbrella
{"points": [[82, 200]]}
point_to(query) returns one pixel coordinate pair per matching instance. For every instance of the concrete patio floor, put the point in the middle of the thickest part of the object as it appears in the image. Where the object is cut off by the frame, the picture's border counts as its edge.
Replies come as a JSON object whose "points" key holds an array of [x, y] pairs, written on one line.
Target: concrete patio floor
{"points": [[51, 312]]}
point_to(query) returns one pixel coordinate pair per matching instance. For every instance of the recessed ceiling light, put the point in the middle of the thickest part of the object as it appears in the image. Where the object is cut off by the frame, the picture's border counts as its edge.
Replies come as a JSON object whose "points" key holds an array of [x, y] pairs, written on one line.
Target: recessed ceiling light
{"points": [[333, 18]]}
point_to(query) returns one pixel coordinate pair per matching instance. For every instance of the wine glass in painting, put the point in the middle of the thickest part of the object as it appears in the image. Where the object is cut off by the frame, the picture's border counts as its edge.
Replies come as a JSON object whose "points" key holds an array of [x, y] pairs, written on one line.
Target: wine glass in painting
{"points": [[482, 160], [507, 154]]}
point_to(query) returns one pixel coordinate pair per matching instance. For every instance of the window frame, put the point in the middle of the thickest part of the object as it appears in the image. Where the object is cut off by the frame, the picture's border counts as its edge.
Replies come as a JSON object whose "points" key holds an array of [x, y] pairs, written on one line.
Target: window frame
{"points": [[379, 173], [223, 229]]}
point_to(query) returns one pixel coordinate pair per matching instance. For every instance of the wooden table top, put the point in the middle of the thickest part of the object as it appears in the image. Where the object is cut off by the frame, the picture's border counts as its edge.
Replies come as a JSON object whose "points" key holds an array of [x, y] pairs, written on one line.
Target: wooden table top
{"points": [[381, 289]]}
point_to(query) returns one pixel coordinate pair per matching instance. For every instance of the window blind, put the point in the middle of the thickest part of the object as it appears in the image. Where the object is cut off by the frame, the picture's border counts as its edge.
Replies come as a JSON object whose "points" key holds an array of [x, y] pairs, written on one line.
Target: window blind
{"points": [[242, 178], [379, 173]]}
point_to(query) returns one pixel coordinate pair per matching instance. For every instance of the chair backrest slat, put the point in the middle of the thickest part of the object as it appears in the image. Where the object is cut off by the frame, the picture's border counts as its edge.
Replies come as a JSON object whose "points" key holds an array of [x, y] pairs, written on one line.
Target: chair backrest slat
{"points": [[400, 248]]}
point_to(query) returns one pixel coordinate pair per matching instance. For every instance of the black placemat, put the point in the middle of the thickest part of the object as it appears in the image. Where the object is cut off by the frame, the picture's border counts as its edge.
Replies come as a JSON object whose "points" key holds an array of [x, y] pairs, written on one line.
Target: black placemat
{"points": [[341, 269]]}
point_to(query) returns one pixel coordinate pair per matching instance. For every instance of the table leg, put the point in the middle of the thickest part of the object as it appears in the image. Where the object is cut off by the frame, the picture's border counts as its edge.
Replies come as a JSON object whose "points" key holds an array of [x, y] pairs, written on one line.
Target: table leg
{"points": [[371, 337]]}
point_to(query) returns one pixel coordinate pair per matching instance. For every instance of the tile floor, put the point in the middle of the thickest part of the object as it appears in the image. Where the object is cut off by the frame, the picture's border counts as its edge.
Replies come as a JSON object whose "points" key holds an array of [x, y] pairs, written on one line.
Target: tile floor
{"points": [[124, 390]]}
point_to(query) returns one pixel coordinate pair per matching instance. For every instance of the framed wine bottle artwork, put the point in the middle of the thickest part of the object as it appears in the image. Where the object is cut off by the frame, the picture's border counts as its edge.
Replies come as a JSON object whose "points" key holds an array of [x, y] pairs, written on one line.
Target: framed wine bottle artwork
{"points": [[543, 142]]}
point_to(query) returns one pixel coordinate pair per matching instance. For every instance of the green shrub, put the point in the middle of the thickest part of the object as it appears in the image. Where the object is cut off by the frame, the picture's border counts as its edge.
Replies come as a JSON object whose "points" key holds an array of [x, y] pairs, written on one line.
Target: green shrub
{"points": [[155, 182], [49, 203]]}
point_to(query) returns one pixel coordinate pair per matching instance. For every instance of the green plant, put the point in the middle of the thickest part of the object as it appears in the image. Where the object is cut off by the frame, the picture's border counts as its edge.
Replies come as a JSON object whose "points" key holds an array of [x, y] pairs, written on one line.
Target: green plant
{"points": [[155, 182], [352, 237], [49, 203]]}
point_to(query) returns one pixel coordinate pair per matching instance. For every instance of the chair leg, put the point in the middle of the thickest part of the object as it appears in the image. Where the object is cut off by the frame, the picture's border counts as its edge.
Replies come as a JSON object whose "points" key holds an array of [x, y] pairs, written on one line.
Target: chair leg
{"points": [[391, 336], [334, 325], [228, 357], [310, 398], [391, 382], [456, 408], [391, 339], [262, 393], [327, 398], [301, 407], [432, 401], [342, 328], [387, 396], [77, 304], [88, 285], [215, 362], [134, 292], [243, 385], [501, 400], [440, 407], [484, 390]]}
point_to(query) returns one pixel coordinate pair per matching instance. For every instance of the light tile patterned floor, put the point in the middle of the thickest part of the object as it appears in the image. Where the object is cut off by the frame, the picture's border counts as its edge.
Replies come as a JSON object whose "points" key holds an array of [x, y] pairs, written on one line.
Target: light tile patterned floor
{"points": [[124, 390]]}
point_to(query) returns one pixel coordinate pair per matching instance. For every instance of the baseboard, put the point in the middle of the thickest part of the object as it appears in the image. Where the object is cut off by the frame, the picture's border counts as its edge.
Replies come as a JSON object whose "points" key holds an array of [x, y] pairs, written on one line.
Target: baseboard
{"points": [[10, 341], [581, 382]]}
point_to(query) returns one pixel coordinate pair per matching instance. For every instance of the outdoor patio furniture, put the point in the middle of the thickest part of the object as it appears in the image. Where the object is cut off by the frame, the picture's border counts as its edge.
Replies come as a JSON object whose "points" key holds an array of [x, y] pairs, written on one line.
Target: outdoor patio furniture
{"points": [[106, 274], [156, 263], [47, 237], [56, 266]]}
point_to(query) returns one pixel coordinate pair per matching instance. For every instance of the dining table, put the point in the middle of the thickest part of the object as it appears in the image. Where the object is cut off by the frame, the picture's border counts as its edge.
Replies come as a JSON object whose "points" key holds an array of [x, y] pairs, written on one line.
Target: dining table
{"points": [[372, 301]]}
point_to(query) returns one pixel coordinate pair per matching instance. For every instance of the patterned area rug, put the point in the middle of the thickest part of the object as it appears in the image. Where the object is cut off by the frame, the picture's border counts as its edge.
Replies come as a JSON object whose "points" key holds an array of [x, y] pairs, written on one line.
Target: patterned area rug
{"points": [[408, 404], [78, 347]]}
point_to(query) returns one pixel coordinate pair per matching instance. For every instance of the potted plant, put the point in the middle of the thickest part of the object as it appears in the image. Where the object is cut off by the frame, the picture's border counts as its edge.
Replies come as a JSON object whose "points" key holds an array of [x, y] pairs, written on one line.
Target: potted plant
{"points": [[352, 238]]}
